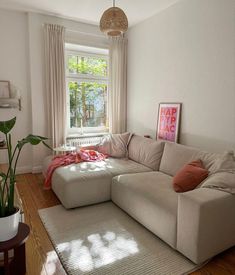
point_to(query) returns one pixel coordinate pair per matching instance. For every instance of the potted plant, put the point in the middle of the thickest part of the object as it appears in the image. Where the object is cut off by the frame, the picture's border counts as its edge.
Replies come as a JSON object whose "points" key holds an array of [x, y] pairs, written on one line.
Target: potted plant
{"points": [[9, 214]]}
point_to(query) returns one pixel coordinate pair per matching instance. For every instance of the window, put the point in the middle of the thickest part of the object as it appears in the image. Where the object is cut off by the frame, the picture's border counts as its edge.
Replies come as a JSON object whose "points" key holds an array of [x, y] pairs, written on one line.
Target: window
{"points": [[87, 85]]}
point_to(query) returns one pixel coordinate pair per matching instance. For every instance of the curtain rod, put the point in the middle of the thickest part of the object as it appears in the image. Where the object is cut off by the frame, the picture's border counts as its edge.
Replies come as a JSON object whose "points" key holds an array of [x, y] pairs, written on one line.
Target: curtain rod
{"points": [[86, 33], [82, 32]]}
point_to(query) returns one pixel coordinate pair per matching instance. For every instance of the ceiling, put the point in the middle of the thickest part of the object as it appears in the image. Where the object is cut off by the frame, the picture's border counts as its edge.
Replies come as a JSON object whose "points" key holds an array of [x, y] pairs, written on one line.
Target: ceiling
{"points": [[89, 11]]}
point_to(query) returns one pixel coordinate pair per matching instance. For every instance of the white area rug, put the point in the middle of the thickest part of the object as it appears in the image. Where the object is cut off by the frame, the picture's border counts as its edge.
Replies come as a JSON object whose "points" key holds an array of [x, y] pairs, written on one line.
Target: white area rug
{"points": [[102, 239]]}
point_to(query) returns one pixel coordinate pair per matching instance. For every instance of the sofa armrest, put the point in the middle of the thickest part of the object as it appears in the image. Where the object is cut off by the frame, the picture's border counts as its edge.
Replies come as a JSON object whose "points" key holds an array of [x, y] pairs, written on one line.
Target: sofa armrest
{"points": [[205, 224]]}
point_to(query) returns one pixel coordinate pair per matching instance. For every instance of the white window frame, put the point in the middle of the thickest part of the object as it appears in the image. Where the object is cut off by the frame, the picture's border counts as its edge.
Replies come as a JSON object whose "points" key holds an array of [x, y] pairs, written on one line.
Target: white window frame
{"points": [[83, 78]]}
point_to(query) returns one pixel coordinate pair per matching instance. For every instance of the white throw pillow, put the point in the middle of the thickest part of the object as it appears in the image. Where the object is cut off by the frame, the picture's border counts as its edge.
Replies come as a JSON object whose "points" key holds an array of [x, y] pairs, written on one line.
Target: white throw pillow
{"points": [[225, 163], [222, 174], [224, 181], [114, 145]]}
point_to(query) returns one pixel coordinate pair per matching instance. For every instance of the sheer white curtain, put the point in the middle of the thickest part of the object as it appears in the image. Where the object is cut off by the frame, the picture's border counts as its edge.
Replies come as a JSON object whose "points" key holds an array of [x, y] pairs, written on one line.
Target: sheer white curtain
{"points": [[55, 82], [118, 84]]}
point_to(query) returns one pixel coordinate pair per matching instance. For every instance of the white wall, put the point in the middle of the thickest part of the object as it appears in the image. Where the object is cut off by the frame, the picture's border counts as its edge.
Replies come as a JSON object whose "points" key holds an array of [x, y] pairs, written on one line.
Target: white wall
{"points": [[14, 67], [22, 62], [186, 54]]}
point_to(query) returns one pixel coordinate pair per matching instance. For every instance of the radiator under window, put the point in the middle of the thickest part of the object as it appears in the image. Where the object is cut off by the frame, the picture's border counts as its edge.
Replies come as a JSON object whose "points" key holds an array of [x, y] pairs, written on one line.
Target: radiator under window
{"points": [[84, 140]]}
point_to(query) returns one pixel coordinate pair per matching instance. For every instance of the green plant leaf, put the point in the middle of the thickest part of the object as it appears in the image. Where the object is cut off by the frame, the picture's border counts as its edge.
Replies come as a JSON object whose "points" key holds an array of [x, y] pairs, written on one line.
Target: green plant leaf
{"points": [[21, 143], [2, 176], [6, 126], [47, 145], [33, 140]]}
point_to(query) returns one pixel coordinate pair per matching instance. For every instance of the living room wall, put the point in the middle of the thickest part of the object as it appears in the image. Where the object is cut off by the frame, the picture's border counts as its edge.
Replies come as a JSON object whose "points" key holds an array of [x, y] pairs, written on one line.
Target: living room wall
{"points": [[186, 54], [14, 66]]}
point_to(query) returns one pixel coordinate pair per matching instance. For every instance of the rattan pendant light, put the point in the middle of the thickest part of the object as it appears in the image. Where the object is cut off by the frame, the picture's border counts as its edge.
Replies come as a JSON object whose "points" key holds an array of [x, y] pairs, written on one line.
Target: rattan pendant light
{"points": [[114, 21]]}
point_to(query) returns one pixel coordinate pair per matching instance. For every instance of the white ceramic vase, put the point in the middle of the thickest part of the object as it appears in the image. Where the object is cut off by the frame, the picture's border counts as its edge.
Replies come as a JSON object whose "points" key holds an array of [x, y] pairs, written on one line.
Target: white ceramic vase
{"points": [[9, 226]]}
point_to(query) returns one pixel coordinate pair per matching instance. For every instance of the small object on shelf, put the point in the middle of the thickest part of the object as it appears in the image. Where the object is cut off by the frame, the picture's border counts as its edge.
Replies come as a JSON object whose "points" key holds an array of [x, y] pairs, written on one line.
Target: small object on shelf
{"points": [[4, 89], [9, 95]]}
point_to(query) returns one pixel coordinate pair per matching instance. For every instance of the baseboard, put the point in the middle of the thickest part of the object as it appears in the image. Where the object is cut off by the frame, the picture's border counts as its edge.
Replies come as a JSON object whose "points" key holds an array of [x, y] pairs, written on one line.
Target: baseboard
{"points": [[28, 169], [37, 169], [24, 169]]}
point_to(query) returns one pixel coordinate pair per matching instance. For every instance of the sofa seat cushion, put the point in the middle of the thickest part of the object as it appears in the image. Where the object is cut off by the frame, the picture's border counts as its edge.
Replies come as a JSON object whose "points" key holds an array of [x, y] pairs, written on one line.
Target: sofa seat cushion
{"points": [[124, 166], [90, 182], [150, 199]]}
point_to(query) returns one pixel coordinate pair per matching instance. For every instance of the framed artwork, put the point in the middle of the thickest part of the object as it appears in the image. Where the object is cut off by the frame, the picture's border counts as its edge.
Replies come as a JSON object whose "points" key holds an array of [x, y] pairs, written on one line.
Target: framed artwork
{"points": [[168, 121], [4, 89]]}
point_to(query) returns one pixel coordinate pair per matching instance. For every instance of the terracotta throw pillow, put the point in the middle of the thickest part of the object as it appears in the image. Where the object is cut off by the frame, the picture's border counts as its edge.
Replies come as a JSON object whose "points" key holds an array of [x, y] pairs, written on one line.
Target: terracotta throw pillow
{"points": [[190, 176]]}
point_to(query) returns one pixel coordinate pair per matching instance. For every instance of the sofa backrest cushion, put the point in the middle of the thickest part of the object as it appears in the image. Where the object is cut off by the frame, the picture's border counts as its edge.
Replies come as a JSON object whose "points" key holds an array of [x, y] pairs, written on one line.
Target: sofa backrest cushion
{"points": [[175, 156], [146, 151], [114, 145]]}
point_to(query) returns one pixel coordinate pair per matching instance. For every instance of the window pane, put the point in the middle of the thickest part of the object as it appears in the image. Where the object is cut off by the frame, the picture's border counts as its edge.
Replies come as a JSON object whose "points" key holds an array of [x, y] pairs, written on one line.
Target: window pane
{"points": [[87, 65], [72, 64], [88, 104]]}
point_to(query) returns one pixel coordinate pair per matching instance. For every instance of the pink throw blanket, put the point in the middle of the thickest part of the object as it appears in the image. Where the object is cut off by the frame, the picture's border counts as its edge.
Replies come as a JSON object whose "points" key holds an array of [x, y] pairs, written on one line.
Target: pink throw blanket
{"points": [[63, 160]]}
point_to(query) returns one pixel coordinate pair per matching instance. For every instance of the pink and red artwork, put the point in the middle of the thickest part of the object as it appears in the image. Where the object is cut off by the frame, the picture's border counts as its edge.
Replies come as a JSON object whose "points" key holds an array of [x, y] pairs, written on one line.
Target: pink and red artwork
{"points": [[168, 121]]}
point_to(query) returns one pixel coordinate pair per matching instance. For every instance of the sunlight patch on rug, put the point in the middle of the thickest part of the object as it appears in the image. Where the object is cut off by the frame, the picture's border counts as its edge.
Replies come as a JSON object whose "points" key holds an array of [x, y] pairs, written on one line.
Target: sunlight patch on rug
{"points": [[98, 250]]}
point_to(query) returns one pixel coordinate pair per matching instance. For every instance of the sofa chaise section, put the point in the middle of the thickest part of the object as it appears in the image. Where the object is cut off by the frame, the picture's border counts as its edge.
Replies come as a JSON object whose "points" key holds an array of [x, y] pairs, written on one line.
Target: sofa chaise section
{"points": [[150, 199], [81, 184]]}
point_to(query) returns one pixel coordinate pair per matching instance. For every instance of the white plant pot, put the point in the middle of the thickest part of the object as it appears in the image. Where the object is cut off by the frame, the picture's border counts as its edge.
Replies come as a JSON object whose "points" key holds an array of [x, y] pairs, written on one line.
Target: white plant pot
{"points": [[9, 226]]}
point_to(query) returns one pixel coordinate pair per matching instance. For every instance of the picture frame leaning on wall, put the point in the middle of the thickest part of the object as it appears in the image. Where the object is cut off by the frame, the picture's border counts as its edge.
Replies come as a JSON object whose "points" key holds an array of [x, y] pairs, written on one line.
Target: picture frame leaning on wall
{"points": [[168, 121]]}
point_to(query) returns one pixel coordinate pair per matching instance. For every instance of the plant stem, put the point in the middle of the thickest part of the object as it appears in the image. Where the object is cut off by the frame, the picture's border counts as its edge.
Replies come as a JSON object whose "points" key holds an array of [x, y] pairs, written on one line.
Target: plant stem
{"points": [[8, 201], [19, 150], [9, 158], [12, 183]]}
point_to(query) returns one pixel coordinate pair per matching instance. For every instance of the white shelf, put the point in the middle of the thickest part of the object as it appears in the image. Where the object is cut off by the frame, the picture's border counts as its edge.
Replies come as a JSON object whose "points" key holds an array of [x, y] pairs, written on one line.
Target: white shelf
{"points": [[8, 103]]}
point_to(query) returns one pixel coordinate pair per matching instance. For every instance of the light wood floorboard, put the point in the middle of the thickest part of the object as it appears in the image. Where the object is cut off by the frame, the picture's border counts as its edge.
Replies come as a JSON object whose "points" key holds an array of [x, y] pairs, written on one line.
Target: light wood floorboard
{"points": [[41, 256]]}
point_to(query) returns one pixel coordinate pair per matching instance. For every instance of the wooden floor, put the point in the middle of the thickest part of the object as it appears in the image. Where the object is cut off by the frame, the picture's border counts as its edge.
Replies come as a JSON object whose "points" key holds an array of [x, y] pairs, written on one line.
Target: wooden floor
{"points": [[41, 256]]}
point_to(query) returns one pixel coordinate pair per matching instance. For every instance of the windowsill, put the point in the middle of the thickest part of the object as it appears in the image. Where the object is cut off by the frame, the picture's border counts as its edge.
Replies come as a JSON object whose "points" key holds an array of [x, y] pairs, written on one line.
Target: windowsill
{"points": [[79, 135]]}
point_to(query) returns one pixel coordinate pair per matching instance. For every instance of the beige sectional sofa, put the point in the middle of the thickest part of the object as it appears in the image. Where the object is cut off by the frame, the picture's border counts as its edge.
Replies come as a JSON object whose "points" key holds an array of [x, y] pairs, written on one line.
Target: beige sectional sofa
{"points": [[198, 223]]}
